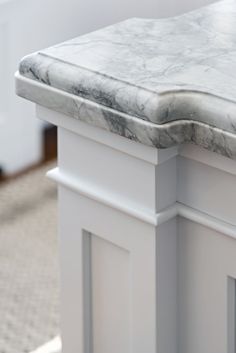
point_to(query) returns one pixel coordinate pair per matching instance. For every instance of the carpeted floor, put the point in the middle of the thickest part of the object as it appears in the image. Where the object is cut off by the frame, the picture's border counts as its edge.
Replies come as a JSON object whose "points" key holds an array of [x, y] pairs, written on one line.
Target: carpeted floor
{"points": [[29, 284]]}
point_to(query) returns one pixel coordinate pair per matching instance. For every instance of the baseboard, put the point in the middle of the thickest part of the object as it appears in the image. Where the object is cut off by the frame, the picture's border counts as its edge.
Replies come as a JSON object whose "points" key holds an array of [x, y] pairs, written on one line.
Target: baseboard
{"points": [[53, 346]]}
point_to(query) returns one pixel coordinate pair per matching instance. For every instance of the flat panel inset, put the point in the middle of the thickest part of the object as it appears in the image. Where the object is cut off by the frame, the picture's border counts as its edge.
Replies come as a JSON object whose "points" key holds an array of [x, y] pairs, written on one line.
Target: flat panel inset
{"points": [[110, 297]]}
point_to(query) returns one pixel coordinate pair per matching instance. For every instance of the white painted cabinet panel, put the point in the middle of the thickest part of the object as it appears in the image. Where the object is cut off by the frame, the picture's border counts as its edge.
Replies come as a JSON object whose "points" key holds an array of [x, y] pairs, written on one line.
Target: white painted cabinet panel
{"points": [[144, 279]]}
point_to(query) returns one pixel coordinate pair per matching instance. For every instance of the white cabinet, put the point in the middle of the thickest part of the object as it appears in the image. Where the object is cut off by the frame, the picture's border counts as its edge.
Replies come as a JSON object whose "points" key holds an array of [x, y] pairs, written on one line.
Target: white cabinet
{"points": [[148, 262]]}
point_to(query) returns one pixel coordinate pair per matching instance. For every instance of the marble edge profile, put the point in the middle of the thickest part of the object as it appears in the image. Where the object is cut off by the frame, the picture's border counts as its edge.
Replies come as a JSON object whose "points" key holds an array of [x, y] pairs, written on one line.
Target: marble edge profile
{"points": [[156, 135], [159, 107]]}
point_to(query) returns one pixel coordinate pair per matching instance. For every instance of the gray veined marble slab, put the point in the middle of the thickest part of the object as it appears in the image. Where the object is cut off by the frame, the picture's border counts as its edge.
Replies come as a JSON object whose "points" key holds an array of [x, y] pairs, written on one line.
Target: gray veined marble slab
{"points": [[159, 82]]}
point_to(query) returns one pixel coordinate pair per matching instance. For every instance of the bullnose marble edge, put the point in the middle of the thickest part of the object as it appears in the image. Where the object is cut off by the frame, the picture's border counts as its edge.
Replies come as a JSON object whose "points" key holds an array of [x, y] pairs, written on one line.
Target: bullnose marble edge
{"points": [[156, 135], [158, 82]]}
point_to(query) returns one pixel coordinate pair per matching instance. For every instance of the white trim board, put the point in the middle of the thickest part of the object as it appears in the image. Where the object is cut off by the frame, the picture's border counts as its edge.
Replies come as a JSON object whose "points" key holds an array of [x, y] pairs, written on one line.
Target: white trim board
{"points": [[209, 158], [177, 209]]}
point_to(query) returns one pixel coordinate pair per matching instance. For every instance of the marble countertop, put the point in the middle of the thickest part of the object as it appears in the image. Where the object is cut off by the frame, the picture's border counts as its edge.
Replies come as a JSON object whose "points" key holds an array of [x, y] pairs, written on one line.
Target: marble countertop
{"points": [[159, 82]]}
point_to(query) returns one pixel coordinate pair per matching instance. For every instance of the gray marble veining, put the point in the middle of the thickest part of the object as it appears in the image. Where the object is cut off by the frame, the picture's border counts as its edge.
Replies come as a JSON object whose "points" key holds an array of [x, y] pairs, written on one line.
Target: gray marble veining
{"points": [[159, 82]]}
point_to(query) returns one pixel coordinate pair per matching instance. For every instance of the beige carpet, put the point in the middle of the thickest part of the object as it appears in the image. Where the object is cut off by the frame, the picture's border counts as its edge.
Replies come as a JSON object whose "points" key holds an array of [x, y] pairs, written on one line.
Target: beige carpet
{"points": [[29, 286]]}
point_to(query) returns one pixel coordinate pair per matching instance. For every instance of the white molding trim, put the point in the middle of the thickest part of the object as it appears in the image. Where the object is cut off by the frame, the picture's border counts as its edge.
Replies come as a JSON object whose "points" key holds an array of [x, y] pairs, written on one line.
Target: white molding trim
{"points": [[177, 209], [53, 346], [102, 196], [206, 220]]}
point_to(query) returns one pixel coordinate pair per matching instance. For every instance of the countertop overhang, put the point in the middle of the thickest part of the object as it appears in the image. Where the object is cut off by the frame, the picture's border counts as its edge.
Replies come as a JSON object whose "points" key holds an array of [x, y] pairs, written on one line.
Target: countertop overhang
{"points": [[158, 82]]}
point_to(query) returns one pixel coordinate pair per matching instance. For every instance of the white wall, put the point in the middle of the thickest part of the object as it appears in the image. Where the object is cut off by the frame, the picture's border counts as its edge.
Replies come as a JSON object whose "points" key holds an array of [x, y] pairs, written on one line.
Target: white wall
{"points": [[28, 25]]}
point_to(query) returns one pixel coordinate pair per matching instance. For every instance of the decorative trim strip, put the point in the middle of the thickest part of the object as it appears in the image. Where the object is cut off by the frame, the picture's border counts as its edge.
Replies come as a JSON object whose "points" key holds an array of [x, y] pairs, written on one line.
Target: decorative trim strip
{"points": [[177, 209], [206, 220], [102, 196]]}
